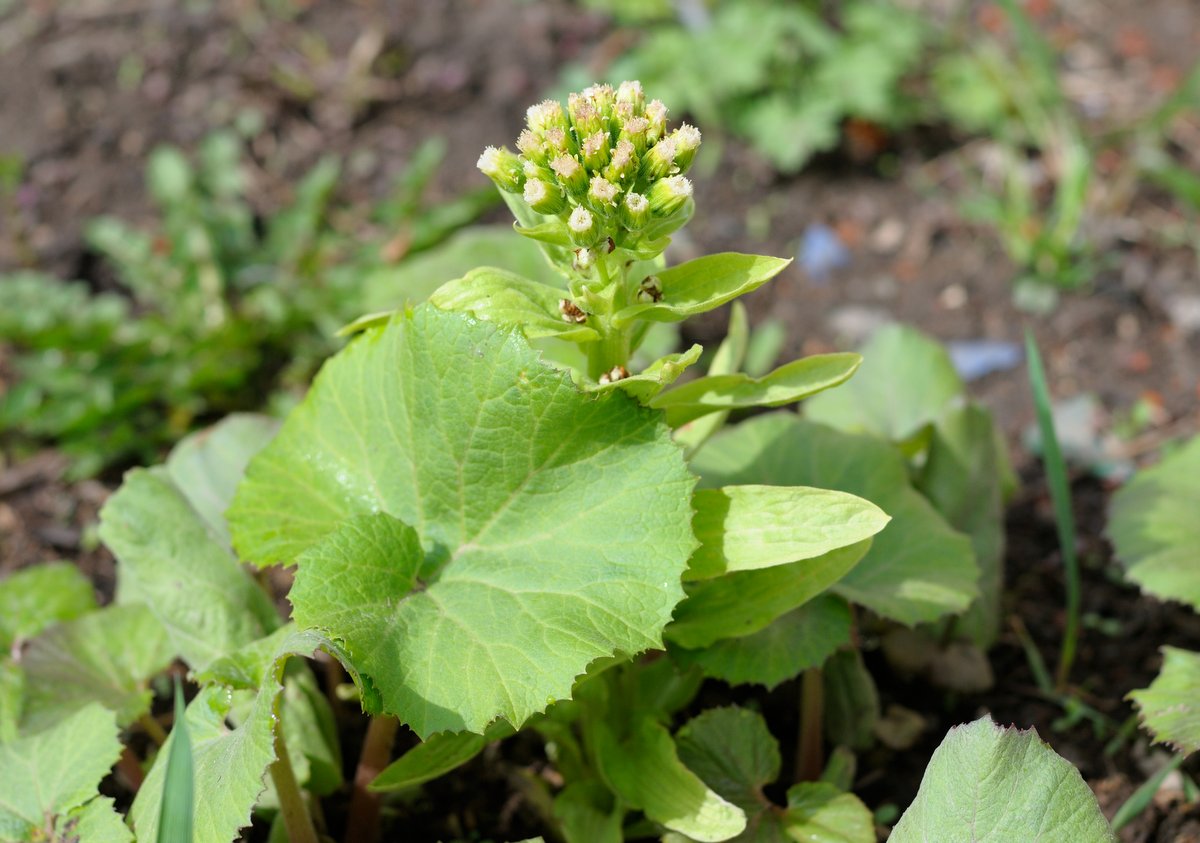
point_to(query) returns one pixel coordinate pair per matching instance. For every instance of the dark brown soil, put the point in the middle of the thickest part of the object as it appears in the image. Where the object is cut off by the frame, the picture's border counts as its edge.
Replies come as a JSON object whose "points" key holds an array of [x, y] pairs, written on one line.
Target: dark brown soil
{"points": [[88, 88]]}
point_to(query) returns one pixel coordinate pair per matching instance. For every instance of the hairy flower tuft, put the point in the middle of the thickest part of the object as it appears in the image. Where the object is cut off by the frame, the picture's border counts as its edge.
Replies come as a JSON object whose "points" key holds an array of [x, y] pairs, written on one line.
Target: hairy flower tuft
{"points": [[503, 167], [669, 195]]}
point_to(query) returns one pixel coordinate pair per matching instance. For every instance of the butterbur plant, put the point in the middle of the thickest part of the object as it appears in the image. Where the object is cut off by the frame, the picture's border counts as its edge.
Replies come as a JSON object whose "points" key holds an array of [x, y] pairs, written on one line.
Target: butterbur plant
{"points": [[497, 519]]}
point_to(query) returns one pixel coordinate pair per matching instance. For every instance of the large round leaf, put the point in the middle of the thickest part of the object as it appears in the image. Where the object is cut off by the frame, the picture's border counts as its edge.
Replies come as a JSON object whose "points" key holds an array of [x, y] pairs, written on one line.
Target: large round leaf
{"points": [[470, 528]]}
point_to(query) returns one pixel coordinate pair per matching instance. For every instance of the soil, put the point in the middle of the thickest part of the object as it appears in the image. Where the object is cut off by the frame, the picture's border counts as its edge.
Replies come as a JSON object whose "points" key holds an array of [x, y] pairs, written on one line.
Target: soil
{"points": [[89, 87]]}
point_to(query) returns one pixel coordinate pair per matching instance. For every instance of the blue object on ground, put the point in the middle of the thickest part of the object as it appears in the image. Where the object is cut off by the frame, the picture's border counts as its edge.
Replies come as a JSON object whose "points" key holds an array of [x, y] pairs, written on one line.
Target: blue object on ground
{"points": [[821, 251], [974, 359]]}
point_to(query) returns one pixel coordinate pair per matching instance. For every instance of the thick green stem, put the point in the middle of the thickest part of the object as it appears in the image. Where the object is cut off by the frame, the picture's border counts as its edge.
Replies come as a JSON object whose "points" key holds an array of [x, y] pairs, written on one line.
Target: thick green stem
{"points": [[296, 820], [809, 752], [612, 349], [363, 823]]}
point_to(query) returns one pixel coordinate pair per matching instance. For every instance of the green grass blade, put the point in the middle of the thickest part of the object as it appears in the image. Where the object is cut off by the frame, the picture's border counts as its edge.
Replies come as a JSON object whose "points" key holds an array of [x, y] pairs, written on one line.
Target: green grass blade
{"points": [[1060, 494], [1141, 798], [175, 822]]}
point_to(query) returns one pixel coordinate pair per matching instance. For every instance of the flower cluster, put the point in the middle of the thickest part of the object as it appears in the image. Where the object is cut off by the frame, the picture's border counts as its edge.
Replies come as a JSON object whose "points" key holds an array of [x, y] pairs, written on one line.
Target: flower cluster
{"points": [[606, 166]]}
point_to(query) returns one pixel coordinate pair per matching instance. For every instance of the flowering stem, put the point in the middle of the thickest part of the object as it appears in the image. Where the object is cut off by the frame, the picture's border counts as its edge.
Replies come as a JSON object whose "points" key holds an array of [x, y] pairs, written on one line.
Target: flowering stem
{"points": [[612, 349], [363, 823], [296, 820]]}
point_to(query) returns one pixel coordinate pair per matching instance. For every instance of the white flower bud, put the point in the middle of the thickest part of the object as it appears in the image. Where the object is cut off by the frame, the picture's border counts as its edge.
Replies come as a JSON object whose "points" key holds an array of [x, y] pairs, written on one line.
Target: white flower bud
{"points": [[502, 167], [669, 195]]}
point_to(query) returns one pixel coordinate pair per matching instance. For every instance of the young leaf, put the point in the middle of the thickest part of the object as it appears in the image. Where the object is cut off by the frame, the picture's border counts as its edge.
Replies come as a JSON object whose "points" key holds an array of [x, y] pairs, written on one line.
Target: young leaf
{"points": [[507, 299], [990, 783], [187, 575], [703, 284], [1153, 525], [745, 528], [179, 787], [229, 764], [917, 570], [650, 381], [437, 756], [792, 643], [48, 779], [742, 603], [107, 657], [645, 771], [1171, 705], [788, 384], [553, 526], [727, 360], [907, 381], [34, 598], [734, 753]]}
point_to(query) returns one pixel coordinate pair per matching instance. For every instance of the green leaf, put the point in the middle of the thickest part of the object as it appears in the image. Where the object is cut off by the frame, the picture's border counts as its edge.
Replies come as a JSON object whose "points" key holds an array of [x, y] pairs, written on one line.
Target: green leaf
{"points": [[553, 526], [746, 528], [801, 639], [734, 753], [906, 382], [918, 568], [99, 822], [187, 574], [415, 278], [650, 381], [436, 756], [229, 764], [703, 284], [176, 813], [507, 299], [990, 783], [852, 701], [34, 598], [962, 478], [587, 813], [1153, 526], [107, 657], [1171, 705], [46, 776], [727, 360], [788, 384], [645, 771], [12, 698], [742, 603]]}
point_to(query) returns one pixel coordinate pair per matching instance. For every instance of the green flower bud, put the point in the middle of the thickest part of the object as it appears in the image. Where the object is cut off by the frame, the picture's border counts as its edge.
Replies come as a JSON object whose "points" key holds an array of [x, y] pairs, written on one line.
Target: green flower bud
{"points": [[656, 113], [687, 141], [546, 115], [631, 94], [558, 142], [602, 195], [659, 162], [603, 98], [669, 195], [595, 150], [585, 259], [531, 147], [585, 117], [634, 132], [582, 227], [543, 197], [533, 170], [571, 175], [635, 211], [623, 165], [503, 167]]}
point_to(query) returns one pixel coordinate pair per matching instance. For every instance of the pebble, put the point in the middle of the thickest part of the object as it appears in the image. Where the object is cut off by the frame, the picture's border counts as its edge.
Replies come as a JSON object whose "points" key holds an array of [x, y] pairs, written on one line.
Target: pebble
{"points": [[1184, 312], [888, 236]]}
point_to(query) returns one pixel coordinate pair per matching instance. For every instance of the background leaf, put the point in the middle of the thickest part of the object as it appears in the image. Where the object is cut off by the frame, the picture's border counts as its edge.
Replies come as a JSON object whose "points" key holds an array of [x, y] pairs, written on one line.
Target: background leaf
{"points": [[34, 598], [1170, 707]]}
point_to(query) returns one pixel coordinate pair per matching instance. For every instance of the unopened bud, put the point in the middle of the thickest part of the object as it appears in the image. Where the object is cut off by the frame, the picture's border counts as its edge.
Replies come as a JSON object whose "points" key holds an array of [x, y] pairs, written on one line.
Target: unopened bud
{"points": [[531, 147], [659, 162], [585, 117], [595, 150], [546, 115], [635, 133], [502, 166], [656, 113], [571, 312], [616, 373], [558, 142], [623, 165], [630, 93], [635, 212], [650, 290], [669, 195], [585, 259], [571, 174], [603, 98], [602, 193], [687, 141], [582, 226], [544, 198]]}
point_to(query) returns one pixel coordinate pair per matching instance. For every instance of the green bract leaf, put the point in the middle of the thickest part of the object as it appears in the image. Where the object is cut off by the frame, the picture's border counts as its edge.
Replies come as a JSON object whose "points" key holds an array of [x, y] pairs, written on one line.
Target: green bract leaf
{"points": [[1171, 705], [35, 598], [553, 231], [962, 477], [989, 783], [645, 771], [173, 547], [437, 756], [917, 569], [495, 295], [734, 753], [907, 380], [107, 657], [650, 381], [45, 778], [788, 384], [743, 603], [727, 360], [229, 764], [1155, 530], [744, 528], [703, 284], [553, 526], [801, 639]]}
